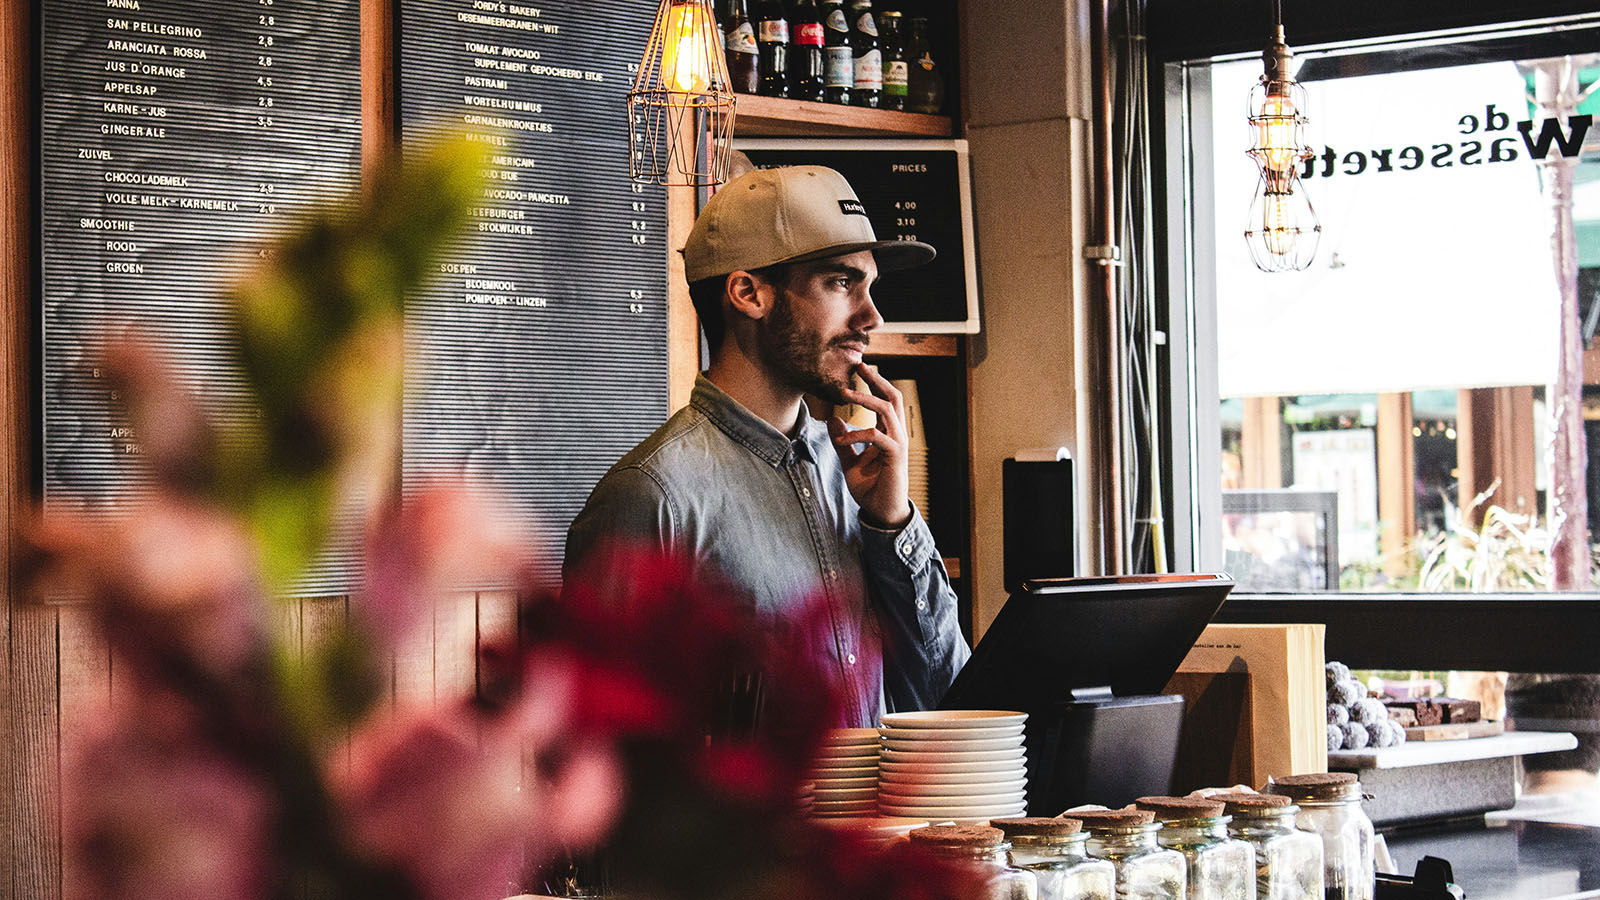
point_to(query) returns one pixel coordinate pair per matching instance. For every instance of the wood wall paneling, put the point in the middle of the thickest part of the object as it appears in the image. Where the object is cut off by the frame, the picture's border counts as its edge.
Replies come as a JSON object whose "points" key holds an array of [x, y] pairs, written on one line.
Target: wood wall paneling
{"points": [[455, 646], [683, 327], [378, 117], [36, 753], [29, 858]]}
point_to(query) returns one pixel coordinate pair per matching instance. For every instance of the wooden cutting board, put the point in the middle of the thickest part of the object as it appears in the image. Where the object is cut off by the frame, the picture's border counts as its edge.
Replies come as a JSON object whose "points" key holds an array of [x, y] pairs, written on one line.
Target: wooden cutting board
{"points": [[1456, 732]]}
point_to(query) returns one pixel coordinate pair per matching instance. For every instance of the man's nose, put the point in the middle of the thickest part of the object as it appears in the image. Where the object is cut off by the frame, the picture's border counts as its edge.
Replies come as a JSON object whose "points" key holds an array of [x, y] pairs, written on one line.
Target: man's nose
{"points": [[867, 317]]}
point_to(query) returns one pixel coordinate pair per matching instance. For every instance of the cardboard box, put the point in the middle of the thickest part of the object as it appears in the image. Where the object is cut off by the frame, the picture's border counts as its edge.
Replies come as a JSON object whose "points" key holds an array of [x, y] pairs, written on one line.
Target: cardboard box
{"points": [[1256, 705]]}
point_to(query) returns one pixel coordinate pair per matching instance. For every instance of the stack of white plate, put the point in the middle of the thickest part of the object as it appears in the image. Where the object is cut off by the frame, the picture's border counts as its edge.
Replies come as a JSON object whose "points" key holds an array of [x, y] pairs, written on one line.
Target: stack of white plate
{"points": [[878, 831], [844, 776], [916, 448], [960, 765]]}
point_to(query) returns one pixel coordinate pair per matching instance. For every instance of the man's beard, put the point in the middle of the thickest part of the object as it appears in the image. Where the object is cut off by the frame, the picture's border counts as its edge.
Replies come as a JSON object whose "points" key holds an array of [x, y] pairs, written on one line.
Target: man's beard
{"points": [[794, 354]]}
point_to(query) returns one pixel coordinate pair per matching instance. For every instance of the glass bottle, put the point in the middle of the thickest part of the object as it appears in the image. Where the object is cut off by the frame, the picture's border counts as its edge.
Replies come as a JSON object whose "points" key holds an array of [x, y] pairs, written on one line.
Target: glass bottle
{"points": [[1330, 807], [1053, 850], [895, 67], [1288, 860], [805, 52], [924, 84], [1127, 839], [867, 89], [838, 59], [742, 50], [985, 848], [1220, 866], [772, 48]]}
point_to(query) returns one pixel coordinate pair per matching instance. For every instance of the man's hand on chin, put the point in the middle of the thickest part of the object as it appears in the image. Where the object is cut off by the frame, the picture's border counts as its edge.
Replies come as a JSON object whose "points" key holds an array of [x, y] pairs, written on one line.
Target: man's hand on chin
{"points": [[878, 476]]}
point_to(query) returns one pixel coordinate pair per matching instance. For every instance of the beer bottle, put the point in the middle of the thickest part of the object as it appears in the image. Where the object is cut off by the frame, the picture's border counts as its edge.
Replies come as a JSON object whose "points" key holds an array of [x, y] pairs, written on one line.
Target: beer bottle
{"points": [[742, 50], [838, 60], [895, 70], [868, 87], [772, 41], [805, 54], [924, 84]]}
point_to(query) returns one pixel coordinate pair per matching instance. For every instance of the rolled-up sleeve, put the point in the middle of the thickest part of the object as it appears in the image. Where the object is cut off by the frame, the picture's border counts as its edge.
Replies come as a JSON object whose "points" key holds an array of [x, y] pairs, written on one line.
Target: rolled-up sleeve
{"points": [[911, 592]]}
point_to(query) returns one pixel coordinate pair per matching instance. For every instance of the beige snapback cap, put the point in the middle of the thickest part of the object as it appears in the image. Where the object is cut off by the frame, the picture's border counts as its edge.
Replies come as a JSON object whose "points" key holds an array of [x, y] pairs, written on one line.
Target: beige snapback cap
{"points": [[785, 215]]}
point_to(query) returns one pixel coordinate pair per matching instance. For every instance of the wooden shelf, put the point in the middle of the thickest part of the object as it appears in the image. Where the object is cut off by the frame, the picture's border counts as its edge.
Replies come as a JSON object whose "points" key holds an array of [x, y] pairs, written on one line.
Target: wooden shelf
{"points": [[757, 116], [912, 345]]}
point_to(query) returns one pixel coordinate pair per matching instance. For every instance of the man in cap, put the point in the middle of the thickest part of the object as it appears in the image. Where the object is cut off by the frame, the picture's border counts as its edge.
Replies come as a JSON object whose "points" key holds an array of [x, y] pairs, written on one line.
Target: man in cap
{"points": [[745, 484]]}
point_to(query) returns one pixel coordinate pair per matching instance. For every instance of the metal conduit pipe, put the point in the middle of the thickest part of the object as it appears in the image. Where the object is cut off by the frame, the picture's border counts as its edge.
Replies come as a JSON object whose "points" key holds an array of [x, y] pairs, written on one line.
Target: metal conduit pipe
{"points": [[1102, 370]]}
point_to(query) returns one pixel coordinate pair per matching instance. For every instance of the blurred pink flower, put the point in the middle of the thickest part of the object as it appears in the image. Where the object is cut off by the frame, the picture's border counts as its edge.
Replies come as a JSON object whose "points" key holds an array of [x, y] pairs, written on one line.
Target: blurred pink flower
{"points": [[423, 800], [447, 537], [174, 586], [154, 811]]}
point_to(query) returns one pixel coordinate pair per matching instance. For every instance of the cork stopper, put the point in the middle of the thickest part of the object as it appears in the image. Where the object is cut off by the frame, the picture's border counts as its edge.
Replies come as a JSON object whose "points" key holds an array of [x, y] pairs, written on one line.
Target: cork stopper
{"points": [[1180, 807], [1251, 804], [1037, 826], [1317, 786], [1111, 818], [958, 837]]}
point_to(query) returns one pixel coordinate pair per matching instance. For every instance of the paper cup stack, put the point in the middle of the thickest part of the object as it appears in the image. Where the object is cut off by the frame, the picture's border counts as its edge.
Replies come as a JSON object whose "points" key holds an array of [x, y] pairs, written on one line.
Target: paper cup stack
{"points": [[844, 776], [962, 765], [916, 447]]}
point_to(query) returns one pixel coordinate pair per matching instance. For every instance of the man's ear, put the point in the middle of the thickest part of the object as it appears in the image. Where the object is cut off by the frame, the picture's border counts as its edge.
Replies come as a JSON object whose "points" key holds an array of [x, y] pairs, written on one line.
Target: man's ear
{"points": [[748, 296]]}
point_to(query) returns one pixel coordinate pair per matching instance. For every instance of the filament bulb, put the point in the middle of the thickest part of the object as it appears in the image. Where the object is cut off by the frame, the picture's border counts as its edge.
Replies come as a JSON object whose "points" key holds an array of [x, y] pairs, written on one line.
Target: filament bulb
{"points": [[686, 62], [1276, 124], [1283, 230]]}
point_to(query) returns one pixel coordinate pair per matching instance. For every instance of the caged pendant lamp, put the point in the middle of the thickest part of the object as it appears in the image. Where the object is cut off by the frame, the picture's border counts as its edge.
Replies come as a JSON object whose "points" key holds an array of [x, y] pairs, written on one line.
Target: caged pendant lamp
{"points": [[681, 108], [1282, 230]]}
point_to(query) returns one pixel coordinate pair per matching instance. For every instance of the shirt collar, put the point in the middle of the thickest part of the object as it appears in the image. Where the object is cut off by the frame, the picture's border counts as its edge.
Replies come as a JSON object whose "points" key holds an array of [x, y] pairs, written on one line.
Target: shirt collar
{"points": [[754, 432]]}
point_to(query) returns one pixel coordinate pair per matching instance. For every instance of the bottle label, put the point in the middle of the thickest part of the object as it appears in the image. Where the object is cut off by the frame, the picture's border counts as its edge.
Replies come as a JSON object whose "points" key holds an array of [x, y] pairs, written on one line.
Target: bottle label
{"points": [[869, 71], [837, 21], [867, 25], [809, 35], [837, 67], [894, 77], [774, 31], [742, 39]]}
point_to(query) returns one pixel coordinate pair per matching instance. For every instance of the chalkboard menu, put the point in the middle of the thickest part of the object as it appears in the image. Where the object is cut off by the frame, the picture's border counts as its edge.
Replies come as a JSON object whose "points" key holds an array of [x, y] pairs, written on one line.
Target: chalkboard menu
{"points": [[539, 353], [179, 137], [914, 191]]}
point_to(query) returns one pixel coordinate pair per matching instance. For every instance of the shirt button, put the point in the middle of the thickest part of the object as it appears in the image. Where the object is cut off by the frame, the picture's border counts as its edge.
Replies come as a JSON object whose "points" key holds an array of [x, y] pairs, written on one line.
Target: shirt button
{"points": [[922, 604], [850, 658], [805, 492], [831, 574], [905, 548]]}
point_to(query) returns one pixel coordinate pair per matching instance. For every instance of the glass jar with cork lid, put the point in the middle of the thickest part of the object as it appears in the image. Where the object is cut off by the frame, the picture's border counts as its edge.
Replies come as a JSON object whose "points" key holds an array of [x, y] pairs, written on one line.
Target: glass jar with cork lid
{"points": [[1221, 867], [1053, 850], [1330, 808], [985, 849], [1288, 860], [1126, 838]]}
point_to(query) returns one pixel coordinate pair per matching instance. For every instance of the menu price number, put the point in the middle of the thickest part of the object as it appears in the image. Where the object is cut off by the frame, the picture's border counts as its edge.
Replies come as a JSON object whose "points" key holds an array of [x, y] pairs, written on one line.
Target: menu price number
{"points": [[905, 218], [636, 304]]}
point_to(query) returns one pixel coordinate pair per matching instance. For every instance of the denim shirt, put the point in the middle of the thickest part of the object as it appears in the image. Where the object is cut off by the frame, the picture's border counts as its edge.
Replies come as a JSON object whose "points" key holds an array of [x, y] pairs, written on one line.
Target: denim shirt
{"points": [[719, 486]]}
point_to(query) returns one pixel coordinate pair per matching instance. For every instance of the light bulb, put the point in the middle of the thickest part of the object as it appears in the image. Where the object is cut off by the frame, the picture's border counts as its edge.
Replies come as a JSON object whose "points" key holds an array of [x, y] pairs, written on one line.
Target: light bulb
{"points": [[686, 64], [1283, 230], [1276, 137]]}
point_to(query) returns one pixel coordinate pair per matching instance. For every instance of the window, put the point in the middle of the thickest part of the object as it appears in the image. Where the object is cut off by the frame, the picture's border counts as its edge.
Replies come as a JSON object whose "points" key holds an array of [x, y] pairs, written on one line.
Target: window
{"points": [[1371, 438]]}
